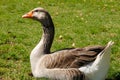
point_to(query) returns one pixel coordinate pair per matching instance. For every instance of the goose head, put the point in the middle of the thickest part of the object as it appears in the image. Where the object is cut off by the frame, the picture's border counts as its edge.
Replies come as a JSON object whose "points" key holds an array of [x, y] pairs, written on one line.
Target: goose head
{"points": [[40, 15]]}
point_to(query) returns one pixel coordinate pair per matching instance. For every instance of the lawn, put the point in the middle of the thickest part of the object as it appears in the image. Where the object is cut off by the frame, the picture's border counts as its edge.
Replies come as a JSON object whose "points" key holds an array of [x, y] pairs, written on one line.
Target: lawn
{"points": [[79, 22]]}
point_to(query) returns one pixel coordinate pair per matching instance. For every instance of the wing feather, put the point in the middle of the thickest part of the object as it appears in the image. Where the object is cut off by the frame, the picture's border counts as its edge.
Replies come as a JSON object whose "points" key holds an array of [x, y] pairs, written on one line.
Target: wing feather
{"points": [[72, 58]]}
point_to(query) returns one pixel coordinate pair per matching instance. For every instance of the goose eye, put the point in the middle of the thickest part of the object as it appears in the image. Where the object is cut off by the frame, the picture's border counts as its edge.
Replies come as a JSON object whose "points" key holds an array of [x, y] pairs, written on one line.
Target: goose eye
{"points": [[36, 10]]}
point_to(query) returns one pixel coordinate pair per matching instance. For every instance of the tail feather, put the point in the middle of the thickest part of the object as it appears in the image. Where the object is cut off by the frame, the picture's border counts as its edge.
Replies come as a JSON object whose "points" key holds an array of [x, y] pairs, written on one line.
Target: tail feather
{"points": [[108, 47], [104, 56], [98, 69]]}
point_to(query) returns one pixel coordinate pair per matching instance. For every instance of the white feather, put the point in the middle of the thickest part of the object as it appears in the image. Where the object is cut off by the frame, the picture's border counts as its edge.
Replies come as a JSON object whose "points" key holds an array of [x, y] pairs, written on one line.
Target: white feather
{"points": [[98, 69]]}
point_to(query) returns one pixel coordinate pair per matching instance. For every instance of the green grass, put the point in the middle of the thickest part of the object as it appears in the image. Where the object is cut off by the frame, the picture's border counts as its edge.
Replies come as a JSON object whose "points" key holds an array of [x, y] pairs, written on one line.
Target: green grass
{"points": [[83, 22]]}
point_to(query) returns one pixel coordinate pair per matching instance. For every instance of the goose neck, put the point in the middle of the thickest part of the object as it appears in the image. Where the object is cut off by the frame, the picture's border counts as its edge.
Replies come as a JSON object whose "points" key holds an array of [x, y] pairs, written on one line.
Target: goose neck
{"points": [[47, 38]]}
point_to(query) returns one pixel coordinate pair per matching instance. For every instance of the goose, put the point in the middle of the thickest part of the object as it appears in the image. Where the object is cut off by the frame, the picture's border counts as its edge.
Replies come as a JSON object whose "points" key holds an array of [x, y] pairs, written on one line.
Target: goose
{"points": [[88, 63]]}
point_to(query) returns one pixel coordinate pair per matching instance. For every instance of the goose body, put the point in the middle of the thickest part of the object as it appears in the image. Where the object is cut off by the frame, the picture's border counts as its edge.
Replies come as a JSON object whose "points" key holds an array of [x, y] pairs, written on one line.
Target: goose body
{"points": [[88, 63]]}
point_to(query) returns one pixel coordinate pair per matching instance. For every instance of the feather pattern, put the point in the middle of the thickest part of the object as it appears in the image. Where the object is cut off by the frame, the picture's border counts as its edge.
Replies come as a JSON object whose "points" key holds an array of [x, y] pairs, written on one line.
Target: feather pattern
{"points": [[72, 58]]}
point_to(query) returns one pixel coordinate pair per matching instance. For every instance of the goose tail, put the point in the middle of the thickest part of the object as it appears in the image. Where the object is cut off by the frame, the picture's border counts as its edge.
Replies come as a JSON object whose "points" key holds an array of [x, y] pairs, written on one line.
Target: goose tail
{"points": [[103, 59], [98, 69], [107, 49], [101, 65]]}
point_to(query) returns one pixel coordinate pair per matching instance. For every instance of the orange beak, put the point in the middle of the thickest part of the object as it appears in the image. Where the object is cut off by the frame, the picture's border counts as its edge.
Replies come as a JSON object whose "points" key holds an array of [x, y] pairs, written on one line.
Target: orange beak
{"points": [[28, 15]]}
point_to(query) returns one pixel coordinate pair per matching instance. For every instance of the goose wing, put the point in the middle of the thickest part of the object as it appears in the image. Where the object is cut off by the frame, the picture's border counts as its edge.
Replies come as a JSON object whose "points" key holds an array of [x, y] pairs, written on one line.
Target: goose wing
{"points": [[85, 55], [72, 58]]}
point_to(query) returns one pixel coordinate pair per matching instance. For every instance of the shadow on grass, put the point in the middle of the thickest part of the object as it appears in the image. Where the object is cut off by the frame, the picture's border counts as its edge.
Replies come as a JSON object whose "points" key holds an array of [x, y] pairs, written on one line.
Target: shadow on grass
{"points": [[115, 76]]}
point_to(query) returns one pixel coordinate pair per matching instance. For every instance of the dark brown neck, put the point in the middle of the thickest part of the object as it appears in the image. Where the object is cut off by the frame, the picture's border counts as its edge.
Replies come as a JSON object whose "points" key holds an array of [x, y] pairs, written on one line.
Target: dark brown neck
{"points": [[48, 35]]}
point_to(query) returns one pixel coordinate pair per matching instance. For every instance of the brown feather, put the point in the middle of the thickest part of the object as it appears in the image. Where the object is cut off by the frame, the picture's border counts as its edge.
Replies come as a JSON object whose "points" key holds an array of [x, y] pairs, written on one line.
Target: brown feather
{"points": [[72, 58]]}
